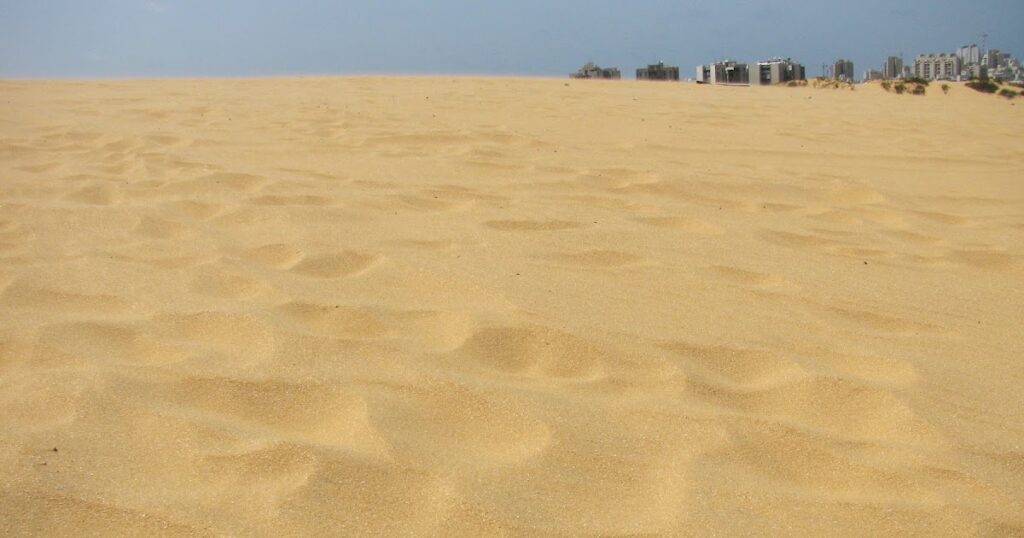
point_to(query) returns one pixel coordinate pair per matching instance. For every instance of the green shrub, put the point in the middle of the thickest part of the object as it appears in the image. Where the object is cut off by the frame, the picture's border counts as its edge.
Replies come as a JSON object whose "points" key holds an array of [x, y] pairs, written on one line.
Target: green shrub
{"points": [[917, 80], [886, 85], [900, 88], [1007, 93], [918, 90], [984, 86], [945, 88]]}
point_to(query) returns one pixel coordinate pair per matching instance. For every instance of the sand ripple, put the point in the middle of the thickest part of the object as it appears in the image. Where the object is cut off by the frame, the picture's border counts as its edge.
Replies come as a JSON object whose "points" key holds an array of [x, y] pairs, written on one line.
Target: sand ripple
{"points": [[497, 307]]}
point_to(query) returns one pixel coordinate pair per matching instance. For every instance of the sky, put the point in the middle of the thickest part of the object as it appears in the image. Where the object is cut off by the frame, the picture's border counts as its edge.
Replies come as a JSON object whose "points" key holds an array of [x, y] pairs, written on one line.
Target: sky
{"points": [[168, 38]]}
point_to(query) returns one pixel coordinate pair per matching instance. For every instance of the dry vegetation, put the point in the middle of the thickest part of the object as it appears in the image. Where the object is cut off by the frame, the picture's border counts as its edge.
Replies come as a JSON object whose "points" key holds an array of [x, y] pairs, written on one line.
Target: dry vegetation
{"points": [[830, 84], [913, 86], [995, 87]]}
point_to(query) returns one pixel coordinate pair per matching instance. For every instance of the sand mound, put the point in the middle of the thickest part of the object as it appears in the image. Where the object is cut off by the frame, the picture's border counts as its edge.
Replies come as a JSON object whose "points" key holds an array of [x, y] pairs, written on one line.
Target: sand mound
{"points": [[434, 306]]}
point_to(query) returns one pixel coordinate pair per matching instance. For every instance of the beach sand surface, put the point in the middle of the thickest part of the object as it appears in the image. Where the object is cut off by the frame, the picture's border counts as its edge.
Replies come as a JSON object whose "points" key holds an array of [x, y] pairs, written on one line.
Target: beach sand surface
{"points": [[509, 307]]}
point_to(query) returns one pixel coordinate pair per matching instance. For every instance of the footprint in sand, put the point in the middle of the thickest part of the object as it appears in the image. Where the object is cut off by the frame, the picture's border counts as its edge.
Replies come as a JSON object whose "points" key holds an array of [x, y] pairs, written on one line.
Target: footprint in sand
{"points": [[425, 423], [429, 202], [840, 406], [98, 194], [156, 228], [599, 258], [752, 278], [194, 210], [228, 337], [430, 330], [532, 350], [683, 223], [220, 182], [13, 233], [738, 366], [363, 486], [943, 218], [309, 411], [798, 240], [217, 282], [24, 295], [532, 225], [39, 168], [342, 264], [291, 200], [103, 343], [880, 322], [278, 255], [166, 141], [985, 259]]}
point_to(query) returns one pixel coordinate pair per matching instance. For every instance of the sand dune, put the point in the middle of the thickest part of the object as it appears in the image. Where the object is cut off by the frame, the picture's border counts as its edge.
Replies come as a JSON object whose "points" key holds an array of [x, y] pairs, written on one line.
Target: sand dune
{"points": [[489, 307]]}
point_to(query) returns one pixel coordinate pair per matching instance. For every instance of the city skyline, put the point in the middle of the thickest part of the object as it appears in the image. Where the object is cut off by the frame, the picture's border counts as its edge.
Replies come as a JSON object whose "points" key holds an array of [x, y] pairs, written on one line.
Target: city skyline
{"points": [[136, 38]]}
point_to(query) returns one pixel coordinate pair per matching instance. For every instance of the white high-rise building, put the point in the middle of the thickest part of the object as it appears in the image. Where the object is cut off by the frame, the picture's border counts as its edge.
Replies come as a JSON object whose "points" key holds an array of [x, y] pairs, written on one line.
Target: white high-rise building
{"points": [[942, 66], [969, 54]]}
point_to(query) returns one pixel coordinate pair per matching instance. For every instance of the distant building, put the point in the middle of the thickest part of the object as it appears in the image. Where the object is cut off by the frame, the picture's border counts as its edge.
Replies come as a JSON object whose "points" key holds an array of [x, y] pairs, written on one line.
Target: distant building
{"points": [[658, 71], [777, 71], [969, 54], [893, 68], [976, 71], [1010, 68], [843, 70], [942, 66], [992, 58], [872, 74], [589, 70], [724, 72]]}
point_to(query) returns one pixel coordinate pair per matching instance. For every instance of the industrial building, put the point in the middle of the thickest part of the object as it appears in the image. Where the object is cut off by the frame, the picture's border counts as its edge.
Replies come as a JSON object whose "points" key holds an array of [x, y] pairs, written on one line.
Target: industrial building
{"points": [[658, 71]]}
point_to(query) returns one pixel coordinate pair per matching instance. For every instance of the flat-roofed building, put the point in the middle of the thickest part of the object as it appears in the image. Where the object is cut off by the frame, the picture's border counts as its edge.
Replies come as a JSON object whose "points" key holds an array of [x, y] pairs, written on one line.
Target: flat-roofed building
{"points": [[941, 66], [777, 71], [893, 68], [843, 70], [872, 74], [969, 54], [658, 71], [991, 59], [724, 72]]}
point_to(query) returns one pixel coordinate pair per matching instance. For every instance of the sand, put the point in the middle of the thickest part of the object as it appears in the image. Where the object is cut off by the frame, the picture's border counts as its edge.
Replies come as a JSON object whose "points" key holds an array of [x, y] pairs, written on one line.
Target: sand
{"points": [[487, 307]]}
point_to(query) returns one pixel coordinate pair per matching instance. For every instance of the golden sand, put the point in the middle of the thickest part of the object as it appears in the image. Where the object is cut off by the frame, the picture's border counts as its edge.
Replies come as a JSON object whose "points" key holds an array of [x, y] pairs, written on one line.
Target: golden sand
{"points": [[487, 307]]}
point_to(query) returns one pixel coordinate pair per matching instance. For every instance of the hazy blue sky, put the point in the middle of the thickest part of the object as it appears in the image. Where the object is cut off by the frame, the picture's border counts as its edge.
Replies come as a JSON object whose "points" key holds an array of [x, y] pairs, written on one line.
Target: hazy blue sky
{"points": [[102, 38]]}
